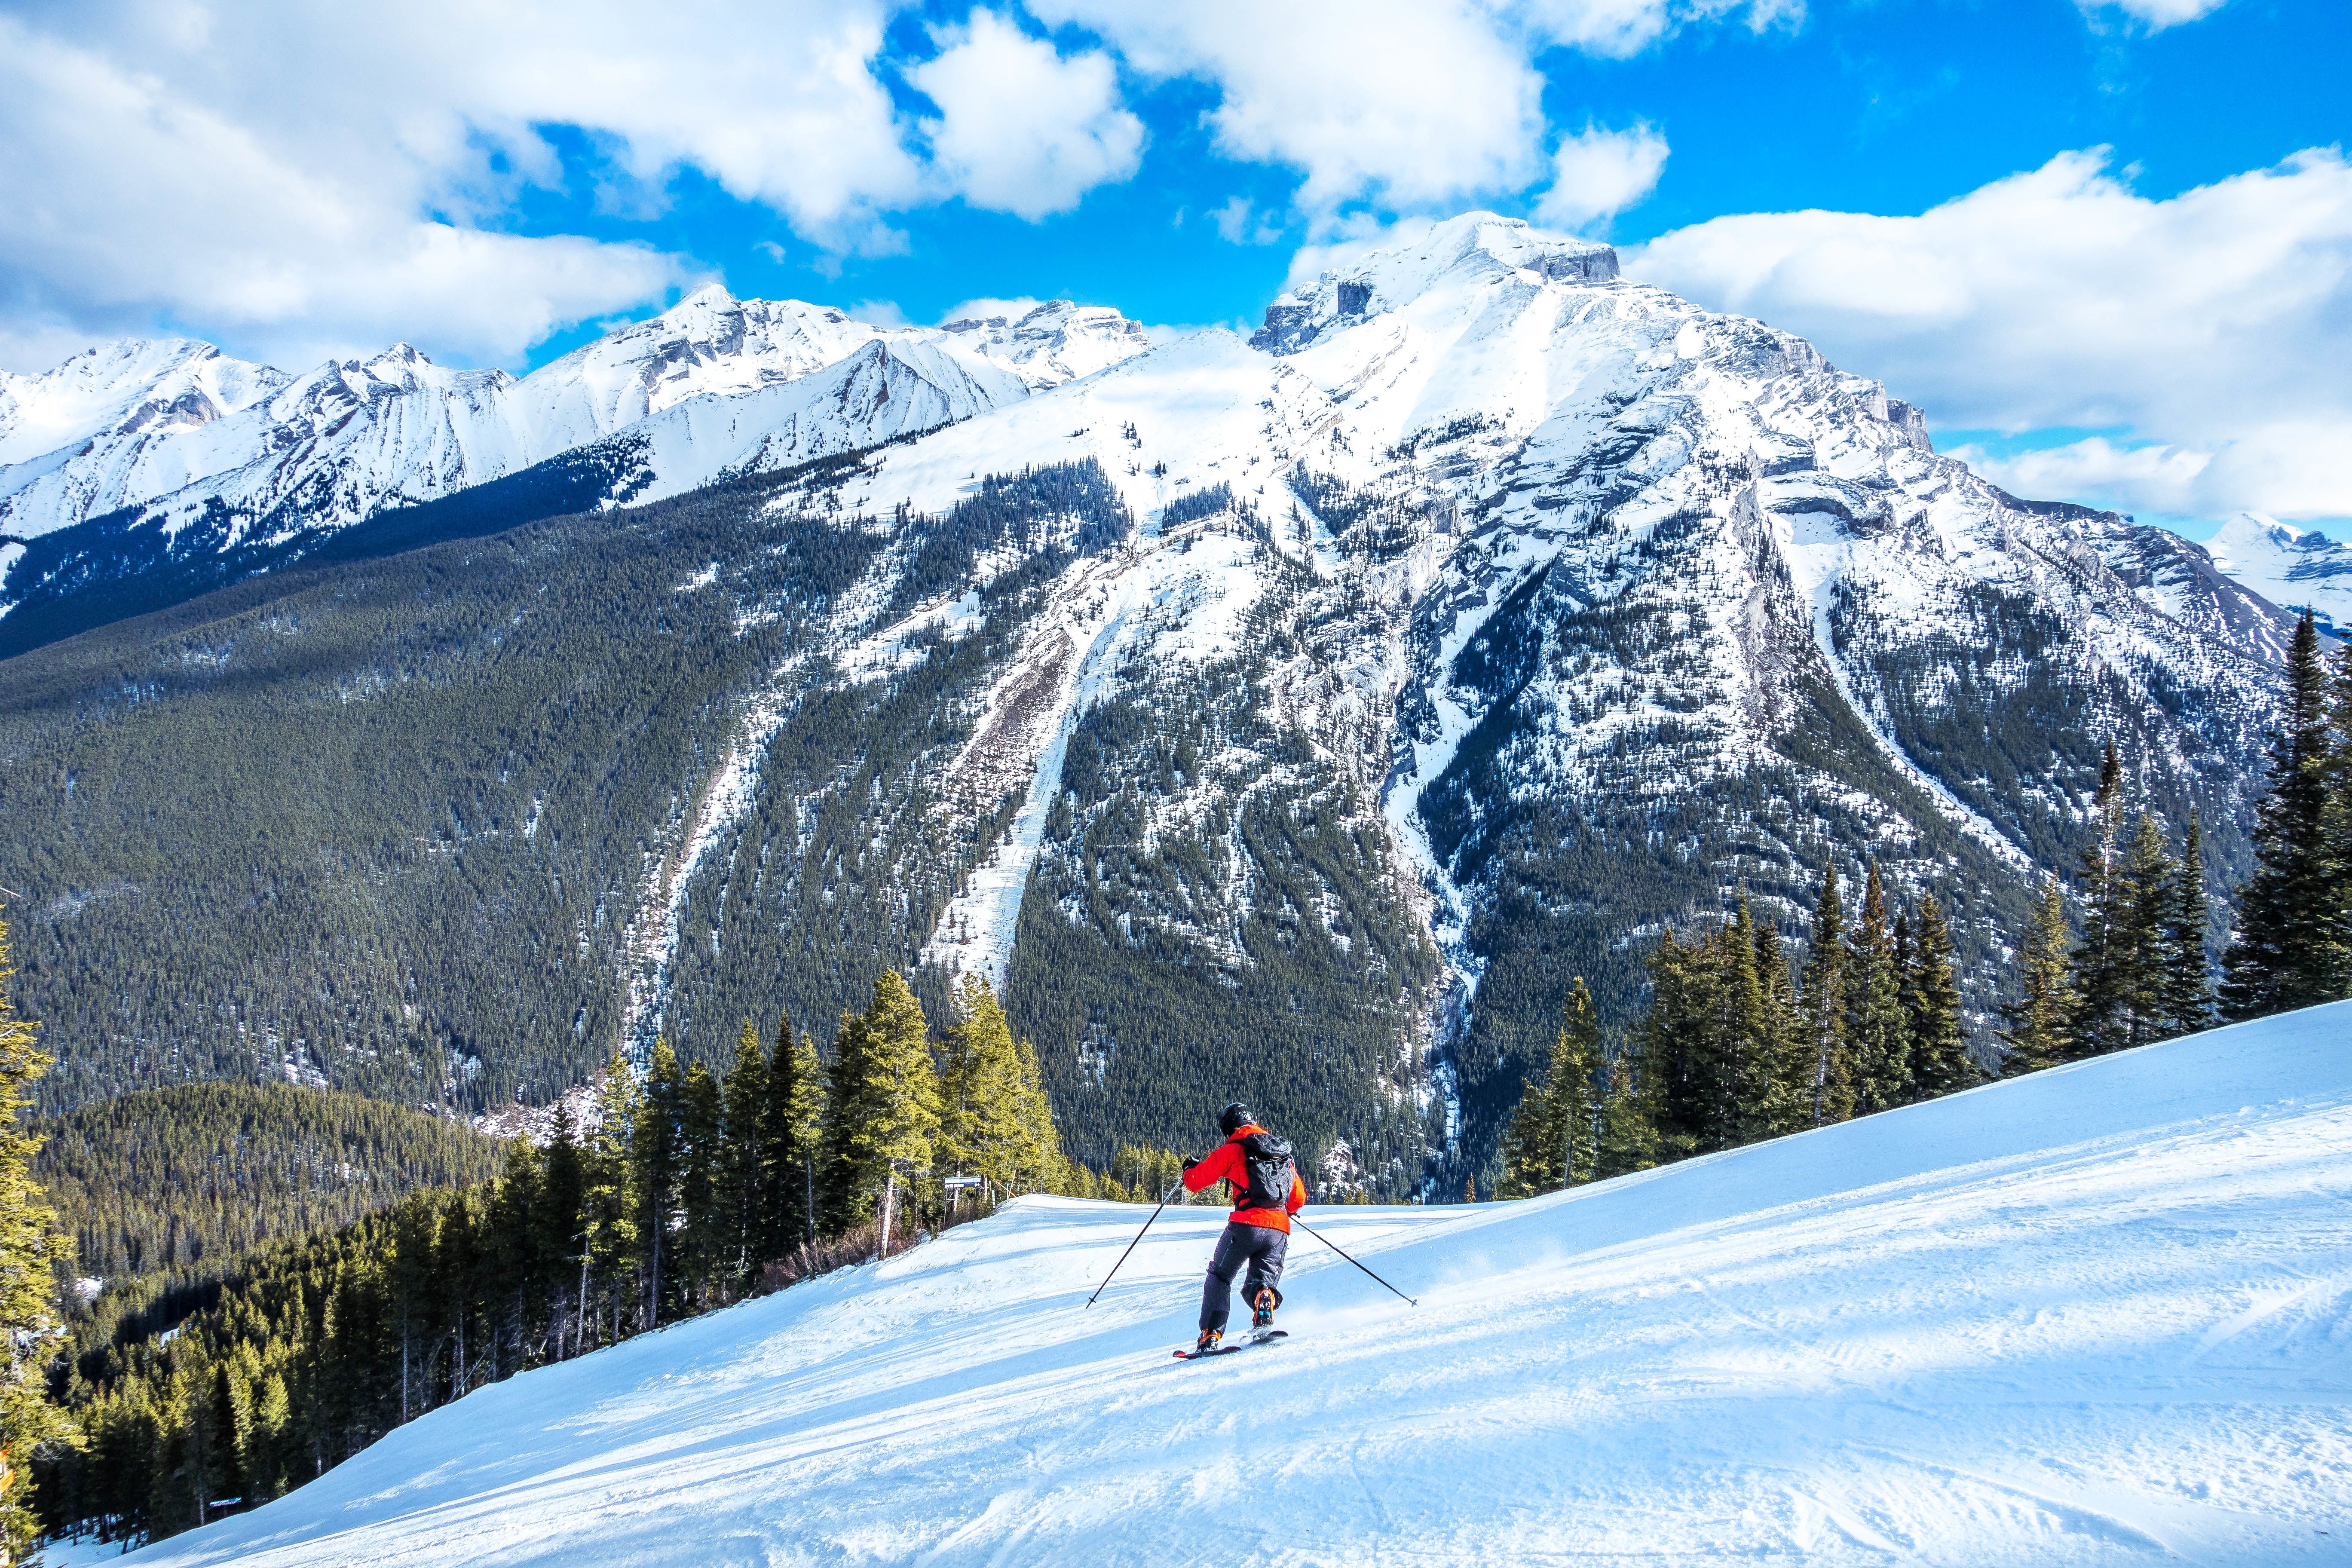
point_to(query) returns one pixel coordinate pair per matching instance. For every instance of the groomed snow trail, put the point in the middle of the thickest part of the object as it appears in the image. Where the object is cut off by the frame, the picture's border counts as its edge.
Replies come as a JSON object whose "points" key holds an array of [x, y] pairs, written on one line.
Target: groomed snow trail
{"points": [[2099, 1315]]}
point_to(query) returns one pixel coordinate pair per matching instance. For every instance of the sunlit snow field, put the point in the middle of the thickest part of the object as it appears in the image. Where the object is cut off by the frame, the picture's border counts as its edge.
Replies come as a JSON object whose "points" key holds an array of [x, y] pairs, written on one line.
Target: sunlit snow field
{"points": [[2099, 1315]]}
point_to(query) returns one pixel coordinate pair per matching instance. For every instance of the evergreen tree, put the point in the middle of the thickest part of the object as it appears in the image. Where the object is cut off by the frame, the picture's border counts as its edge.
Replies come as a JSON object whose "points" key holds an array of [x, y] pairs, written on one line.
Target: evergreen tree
{"points": [[792, 1125], [1679, 1045], [32, 1255], [2290, 942], [1749, 1107], [1829, 1085], [608, 1210], [701, 1120], [2337, 832], [1629, 1135], [562, 1222], [2039, 1021], [1051, 1171], [514, 1238], [882, 1109], [2097, 978], [1939, 1052], [2142, 959], [987, 1126], [1876, 1039], [1552, 1142], [742, 1176], [1788, 1049], [2188, 989], [657, 1167]]}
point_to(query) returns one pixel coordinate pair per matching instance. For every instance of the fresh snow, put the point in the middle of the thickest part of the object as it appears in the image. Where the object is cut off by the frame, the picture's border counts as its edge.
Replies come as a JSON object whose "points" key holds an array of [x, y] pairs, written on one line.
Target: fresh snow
{"points": [[172, 425], [2289, 566], [2099, 1315]]}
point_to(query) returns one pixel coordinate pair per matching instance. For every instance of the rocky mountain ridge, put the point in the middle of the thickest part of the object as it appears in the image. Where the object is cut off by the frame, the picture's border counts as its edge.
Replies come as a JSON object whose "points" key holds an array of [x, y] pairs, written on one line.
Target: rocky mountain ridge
{"points": [[140, 464]]}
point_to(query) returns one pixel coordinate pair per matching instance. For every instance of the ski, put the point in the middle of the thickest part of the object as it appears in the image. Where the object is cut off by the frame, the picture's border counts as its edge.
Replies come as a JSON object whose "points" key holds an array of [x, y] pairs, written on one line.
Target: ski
{"points": [[1255, 1339]]}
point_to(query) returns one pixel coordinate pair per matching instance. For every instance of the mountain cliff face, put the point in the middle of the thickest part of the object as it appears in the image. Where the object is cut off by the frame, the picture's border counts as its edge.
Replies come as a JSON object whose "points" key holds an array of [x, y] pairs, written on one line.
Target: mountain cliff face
{"points": [[1290, 718]]}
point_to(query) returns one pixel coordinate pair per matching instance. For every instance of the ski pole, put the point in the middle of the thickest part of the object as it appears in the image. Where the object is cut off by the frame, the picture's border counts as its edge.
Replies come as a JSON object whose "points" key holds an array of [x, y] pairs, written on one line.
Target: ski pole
{"points": [[1336, 1247], [1139, 1236]]}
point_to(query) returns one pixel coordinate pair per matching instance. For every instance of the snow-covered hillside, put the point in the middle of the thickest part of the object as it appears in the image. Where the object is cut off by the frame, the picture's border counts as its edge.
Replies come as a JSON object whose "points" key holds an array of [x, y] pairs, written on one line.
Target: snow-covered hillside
{"points": [[2096, 1316], [2288, 566], [224, 457]]}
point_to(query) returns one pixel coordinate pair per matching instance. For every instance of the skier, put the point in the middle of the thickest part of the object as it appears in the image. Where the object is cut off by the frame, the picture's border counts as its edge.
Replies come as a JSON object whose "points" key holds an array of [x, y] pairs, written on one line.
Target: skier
{"points": [[1266, 1192]]}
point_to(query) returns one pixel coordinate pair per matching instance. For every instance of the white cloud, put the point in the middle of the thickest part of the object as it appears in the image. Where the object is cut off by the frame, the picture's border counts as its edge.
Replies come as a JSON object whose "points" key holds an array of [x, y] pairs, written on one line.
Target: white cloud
{"points": [[2146, 477], [1410, 103], [300, 180], [1233, 225], [2215, 325], [1599, 174], [1618, 29], [2154, 14], [1022, 129], [150, 205]]}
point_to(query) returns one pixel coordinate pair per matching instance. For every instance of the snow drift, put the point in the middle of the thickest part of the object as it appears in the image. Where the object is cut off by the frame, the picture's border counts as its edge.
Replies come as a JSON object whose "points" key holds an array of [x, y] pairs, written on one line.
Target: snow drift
{"points": [[2099, 1315]]}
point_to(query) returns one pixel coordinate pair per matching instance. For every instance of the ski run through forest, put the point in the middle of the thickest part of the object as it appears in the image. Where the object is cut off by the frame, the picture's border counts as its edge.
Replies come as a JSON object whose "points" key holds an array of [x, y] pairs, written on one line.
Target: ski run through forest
{"points": [[2092, 1316]]}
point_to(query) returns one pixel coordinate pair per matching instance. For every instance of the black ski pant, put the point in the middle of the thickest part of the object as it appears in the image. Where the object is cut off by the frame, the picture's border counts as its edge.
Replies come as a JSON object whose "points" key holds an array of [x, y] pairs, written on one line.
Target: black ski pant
{"points": [[1254, 1245]]}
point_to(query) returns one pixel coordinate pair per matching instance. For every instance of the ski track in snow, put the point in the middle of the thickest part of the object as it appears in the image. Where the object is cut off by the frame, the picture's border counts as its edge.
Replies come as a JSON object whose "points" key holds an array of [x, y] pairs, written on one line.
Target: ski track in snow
{"points": [[2100, 1315]]}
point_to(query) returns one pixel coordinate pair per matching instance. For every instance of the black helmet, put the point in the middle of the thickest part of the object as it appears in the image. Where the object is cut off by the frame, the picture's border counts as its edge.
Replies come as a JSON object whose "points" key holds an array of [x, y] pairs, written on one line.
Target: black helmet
{"points": [[1233, 1117]]}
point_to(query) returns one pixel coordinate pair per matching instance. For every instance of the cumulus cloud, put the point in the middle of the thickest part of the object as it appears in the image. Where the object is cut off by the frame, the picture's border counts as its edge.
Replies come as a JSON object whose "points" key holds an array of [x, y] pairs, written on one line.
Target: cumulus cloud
{"points": [[147, 203], [1598, 174], [300, 180], [2147, 477], [1410, 103], [1022, 129], [2213, 328]]}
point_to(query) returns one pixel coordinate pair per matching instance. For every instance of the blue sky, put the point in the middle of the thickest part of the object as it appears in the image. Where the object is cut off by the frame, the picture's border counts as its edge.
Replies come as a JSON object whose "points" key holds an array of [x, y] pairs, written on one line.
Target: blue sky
{"points": [[2106, 247]]}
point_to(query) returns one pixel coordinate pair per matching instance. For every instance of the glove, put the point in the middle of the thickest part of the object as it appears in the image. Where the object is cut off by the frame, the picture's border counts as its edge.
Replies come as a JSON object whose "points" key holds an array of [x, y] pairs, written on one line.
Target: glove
{"points": [[1189, 1163]]}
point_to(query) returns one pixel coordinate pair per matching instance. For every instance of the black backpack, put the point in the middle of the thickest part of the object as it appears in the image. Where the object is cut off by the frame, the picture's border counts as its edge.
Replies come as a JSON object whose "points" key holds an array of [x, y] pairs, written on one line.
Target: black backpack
{"points": [[1266, 1158]]}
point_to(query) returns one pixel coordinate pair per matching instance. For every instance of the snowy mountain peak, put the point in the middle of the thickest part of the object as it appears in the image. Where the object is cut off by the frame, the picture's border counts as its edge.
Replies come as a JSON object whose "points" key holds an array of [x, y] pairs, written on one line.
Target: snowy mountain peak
{"points": [[127, 386], [1476, 247], [2294, 568], [1058, 341]]}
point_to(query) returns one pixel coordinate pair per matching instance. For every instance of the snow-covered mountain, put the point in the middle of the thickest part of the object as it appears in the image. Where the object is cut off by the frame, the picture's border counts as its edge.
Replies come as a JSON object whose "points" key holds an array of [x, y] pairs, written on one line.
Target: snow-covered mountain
{"points": [[1297, 715], [2093, 1316], [173, 450], [2289, 566], [1586, 605]]}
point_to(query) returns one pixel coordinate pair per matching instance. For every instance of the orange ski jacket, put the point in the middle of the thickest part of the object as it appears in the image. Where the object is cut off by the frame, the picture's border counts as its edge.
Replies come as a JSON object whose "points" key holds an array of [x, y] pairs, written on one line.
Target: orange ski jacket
{"points": [[1225, 1163]]}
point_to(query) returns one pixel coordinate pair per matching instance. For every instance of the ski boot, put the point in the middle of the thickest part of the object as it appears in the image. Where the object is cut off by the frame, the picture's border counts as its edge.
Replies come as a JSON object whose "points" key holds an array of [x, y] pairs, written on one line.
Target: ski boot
{"points": [[1262, 1319], [1207, 1343]]}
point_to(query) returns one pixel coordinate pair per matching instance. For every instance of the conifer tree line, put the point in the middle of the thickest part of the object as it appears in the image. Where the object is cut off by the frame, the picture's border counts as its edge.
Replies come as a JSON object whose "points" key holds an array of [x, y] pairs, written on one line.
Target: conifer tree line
{"points": [[684, 1190], [1737, 1047], [33, 1258], [2293, 940]]}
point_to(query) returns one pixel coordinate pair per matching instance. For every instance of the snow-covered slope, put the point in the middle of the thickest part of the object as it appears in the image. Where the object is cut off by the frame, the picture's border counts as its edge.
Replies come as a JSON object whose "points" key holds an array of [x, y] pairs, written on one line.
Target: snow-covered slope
{"points": [[130, 386], [2289, 566], [2096, 1316]]}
